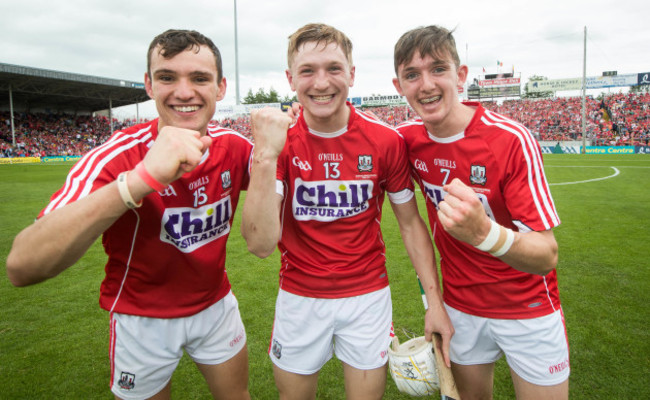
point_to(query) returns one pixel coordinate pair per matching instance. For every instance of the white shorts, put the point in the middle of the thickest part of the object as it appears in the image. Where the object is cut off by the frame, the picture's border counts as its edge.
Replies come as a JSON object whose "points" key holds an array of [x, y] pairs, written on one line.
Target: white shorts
{"points": [[536, 349], [307, 330], [144, 352]]}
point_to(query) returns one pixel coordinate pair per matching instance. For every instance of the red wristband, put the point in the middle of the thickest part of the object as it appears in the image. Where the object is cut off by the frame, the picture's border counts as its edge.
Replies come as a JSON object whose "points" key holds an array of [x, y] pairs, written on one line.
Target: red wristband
{"points": [[147, 178]]}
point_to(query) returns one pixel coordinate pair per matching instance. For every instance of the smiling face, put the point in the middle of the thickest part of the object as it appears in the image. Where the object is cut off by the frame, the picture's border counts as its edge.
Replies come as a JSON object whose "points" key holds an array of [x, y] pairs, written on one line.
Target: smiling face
{"points": [[321, 75], [430, 86], [185, 88]]}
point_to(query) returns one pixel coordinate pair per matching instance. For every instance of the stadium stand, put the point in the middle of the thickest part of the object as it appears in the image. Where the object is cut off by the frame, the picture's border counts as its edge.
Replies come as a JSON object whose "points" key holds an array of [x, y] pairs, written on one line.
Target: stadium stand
{"points": [[40, 134], [46, 106], [27, 88], [393, 115], [240, 124], [619, 119], [616, 120]]}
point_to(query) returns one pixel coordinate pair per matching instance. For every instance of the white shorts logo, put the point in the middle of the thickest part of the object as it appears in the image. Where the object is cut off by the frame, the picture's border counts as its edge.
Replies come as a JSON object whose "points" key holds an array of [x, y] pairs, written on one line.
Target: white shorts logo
{"points": [[276, 350], [127, 381]]}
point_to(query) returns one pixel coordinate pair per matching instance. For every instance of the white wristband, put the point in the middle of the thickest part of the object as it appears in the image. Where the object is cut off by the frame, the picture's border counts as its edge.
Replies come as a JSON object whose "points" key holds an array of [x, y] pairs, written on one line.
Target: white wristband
{"points": [[491, 238], [124, 192], [510, 238], [498, 241]]}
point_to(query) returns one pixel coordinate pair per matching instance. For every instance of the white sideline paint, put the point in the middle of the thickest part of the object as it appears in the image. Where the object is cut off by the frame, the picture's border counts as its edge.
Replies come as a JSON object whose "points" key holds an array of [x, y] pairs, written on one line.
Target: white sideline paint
{"points": [[616, 172]]}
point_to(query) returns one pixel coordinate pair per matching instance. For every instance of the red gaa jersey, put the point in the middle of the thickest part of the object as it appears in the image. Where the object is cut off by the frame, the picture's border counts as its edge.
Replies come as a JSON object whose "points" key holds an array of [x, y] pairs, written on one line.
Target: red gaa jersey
{"points": [[334, 186], [502, 162], [166, 259]]}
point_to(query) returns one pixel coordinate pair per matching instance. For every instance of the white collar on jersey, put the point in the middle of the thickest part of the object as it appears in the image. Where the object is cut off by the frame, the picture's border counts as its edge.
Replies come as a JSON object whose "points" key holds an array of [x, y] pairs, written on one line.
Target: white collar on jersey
{"points": [[449, 139], [205, 156], [329, 135]]}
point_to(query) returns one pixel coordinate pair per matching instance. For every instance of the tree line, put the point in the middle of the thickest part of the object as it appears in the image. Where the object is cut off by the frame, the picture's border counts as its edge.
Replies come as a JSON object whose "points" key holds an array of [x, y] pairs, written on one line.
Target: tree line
{"points": [[261, 96]]}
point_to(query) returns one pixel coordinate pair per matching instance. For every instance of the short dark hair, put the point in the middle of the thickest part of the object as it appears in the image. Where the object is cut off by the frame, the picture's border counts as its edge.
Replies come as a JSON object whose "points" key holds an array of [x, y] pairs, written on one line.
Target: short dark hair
{"points": [[175, 41], [319, 33], [434, 41]]}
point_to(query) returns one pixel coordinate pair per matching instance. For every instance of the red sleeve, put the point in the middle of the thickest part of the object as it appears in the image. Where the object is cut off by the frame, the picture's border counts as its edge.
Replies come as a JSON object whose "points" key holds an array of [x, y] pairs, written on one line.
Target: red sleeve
{"points": [[527, 194], [398, 173]]}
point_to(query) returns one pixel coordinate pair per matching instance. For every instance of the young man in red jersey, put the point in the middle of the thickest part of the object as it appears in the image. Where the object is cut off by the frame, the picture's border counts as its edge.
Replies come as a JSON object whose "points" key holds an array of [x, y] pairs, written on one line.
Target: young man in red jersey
{"points": [[491, 213], [317, 192], [162, 195]]}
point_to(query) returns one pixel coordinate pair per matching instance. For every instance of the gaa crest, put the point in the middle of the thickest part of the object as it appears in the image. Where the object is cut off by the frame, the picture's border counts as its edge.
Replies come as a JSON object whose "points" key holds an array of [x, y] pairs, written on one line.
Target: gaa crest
{"points": [[365, 163], [225, 180], [127, 381], [276, 349], [477, 175]]}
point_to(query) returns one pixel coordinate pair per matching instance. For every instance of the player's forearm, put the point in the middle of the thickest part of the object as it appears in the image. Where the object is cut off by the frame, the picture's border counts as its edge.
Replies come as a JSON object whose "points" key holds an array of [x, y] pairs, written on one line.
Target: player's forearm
{"points": [[260, 224], [435, 318], [421, 253], [57, 240], [420, 250], [533, 252]]}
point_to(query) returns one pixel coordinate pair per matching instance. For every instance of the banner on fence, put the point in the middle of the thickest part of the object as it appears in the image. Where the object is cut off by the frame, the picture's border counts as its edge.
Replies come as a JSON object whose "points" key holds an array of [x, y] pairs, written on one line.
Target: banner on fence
{"points": [[609, 150], [60, 159], [19, 160], [562, 149]]}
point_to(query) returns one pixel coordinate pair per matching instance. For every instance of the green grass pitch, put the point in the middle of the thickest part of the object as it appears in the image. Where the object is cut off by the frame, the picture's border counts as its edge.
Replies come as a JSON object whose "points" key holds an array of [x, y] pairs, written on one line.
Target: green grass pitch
{"points": [[54, 336]]}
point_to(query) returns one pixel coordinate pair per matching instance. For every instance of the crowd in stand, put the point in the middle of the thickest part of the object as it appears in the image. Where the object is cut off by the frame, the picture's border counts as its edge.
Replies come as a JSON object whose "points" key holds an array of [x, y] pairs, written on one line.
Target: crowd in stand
{"points": [[557, 119], [238, 124], [393, 115], [616, 120], [628, 121], [42, 134]]}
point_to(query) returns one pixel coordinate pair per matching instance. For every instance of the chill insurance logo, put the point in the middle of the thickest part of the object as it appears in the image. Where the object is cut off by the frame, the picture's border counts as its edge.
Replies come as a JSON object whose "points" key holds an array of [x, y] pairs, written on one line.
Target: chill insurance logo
{"points": [[330, 200], [190, 228]]}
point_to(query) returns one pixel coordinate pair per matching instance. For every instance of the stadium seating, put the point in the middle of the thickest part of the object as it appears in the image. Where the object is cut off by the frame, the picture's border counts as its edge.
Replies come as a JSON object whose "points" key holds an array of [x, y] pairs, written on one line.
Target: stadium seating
{"points": [[41, 134], [616, 120]]}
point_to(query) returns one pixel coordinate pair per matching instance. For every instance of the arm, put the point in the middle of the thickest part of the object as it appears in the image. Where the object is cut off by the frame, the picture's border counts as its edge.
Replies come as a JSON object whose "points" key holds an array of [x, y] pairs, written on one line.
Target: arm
{"points": [[462, 215], [57, 240], [260, 225], [420, 250]]}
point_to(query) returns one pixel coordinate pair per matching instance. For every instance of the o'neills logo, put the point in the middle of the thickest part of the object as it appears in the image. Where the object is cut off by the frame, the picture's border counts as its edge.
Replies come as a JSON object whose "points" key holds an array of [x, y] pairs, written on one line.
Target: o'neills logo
{"points": [[330, 200], [554, 369], [238, 338], [190, 228]]}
